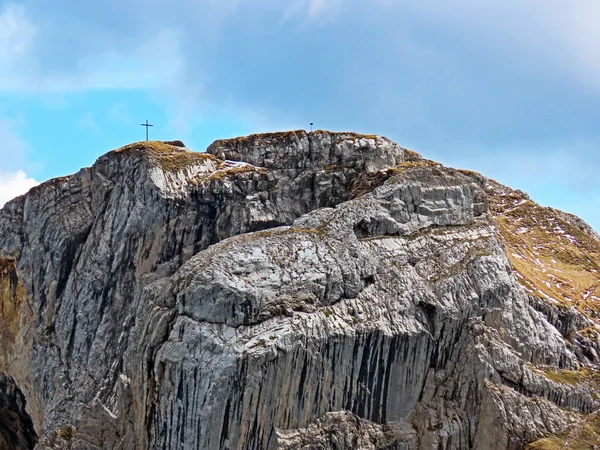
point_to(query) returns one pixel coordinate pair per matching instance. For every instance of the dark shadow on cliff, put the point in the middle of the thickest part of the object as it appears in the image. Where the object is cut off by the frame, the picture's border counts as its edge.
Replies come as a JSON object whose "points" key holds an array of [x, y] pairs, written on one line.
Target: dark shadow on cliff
{"points": [[16, 427]]}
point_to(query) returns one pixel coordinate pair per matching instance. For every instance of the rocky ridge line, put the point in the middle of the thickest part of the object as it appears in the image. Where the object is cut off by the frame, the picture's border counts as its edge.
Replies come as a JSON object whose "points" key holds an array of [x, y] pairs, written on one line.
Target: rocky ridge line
{"points": [[283, 290]]}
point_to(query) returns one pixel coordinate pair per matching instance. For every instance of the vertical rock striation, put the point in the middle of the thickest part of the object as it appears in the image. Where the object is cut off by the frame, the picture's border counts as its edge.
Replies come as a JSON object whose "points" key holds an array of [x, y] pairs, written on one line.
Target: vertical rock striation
{"points": [[281, 291]]}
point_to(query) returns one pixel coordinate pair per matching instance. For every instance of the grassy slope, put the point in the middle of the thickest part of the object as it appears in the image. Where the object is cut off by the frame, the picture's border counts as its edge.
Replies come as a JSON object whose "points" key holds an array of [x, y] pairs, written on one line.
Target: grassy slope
{"points": [[553, 259], [583, 436], [560, 263]]}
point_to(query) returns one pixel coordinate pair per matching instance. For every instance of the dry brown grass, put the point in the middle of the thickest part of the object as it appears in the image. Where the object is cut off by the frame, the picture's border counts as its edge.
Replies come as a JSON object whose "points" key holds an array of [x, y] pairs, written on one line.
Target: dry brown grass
{"points": [[352, 134], [229, 172], [349, 136], [169, 158], [409, 165], [367, 182], [145, 146], [470, 173], [411, 155], [262, 139], [581, 436], [553, 259], [65, 433], [584, 375], [590, 332]]}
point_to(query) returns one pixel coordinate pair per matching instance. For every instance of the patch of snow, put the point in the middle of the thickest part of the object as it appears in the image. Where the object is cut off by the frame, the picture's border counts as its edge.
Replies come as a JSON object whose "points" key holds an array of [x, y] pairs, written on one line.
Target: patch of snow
{"points": [[230, 163], [125, 378], [538, 262], [547, 297], [97, 401]]}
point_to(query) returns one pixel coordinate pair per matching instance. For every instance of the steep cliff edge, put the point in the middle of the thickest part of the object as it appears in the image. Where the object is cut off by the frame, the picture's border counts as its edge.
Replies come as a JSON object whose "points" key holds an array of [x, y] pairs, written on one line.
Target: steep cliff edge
{"points": [[293, 290]]}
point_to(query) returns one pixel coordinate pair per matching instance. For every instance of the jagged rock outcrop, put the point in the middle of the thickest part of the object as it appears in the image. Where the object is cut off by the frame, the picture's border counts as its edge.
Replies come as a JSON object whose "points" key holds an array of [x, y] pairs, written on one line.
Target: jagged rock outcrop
{"points": [[291, 290]]}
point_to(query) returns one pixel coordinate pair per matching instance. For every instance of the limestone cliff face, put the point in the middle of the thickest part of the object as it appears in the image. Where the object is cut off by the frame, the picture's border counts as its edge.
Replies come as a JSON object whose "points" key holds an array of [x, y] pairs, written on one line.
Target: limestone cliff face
{"points": [[289, 291]]}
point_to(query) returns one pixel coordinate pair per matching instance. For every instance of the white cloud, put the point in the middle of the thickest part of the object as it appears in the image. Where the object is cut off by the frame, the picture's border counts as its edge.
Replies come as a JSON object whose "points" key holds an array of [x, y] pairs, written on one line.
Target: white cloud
{"points": [[13, 185]]}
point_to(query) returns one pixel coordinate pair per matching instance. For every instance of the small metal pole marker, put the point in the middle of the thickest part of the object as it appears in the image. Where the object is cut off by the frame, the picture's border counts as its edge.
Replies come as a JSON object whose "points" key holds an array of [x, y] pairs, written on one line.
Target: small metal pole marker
{"points": [[311, 125], [146, 125]]}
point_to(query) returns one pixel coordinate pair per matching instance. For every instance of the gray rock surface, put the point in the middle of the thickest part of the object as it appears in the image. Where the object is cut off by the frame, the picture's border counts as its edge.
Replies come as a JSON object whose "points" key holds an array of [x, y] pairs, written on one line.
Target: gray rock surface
{"points": [[282, 291]]}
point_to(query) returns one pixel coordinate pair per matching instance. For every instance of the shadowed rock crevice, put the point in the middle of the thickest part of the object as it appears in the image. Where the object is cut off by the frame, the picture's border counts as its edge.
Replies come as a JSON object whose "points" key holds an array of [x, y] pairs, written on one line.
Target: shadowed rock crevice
{"points": [[16, 427]]}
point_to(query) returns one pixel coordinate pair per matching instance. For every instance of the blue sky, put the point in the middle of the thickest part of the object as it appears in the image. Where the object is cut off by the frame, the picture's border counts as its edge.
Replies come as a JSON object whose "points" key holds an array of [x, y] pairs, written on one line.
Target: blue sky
{"points": [[510, 88]]}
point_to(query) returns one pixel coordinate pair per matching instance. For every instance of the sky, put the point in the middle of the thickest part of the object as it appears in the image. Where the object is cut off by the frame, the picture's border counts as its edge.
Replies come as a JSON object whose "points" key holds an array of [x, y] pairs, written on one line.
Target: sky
{"points": [[509, 88]]}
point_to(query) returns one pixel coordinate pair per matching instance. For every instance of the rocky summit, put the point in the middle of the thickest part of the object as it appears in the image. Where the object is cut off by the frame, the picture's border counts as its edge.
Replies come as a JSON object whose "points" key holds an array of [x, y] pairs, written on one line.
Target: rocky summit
{"points": [[294, 291]]}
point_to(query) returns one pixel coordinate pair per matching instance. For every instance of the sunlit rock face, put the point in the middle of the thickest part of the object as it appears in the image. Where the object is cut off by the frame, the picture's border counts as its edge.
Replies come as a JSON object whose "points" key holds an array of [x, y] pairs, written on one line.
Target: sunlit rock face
{"points": [[290, 291]]}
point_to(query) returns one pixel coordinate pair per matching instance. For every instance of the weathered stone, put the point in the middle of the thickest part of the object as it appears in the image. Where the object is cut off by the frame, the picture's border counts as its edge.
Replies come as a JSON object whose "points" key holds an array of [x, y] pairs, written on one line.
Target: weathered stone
{"points": [[288, 290], [176, 143]]}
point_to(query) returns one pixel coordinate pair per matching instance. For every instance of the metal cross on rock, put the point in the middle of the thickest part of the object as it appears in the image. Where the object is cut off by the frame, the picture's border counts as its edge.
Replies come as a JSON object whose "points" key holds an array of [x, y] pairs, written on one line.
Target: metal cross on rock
{"points": [[146, 125]]}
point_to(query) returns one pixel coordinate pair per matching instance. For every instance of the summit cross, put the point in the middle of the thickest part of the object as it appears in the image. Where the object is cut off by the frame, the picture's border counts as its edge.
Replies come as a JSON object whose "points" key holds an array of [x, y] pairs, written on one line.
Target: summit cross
{"points": [[146, 125]]}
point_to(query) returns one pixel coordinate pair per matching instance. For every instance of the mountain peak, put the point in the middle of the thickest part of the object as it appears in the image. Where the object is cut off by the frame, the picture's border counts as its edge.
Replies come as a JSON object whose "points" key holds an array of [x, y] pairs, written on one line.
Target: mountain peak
{"points": [[293, 289]]}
